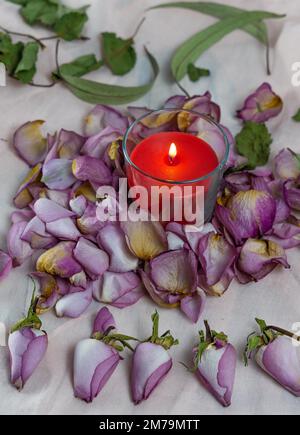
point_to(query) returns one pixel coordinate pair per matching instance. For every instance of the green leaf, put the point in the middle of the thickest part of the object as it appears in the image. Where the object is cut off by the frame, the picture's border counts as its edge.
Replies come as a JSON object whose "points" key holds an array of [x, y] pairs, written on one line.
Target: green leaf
{"points": [[257, 30], [80, 66], [253, 142], [100, 93], [254, 342], [296, 117], [118, 54], [26, 68], [196, 73], [70, 25], [195, 46], [32, 10], [261, 323], [10, 54]]}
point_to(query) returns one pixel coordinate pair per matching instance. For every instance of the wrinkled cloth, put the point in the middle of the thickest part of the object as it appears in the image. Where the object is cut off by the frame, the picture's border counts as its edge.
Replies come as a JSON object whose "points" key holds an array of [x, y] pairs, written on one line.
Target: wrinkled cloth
{"points": [[237, 69]]}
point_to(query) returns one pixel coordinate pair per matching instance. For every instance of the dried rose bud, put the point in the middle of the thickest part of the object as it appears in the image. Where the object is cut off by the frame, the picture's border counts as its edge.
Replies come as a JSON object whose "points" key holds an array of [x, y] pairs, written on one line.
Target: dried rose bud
{"points": [[276, 353], [215, 363], [151, 362]]}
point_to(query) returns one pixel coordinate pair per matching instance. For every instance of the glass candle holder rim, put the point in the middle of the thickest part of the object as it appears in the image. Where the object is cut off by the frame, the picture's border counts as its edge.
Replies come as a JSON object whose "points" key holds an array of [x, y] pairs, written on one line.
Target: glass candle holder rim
{"points": [[218, 168]]}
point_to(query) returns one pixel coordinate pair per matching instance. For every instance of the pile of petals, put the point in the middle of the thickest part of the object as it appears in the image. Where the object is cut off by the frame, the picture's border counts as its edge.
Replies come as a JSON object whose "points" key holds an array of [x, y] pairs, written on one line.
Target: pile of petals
{"points": [[80, 258]]}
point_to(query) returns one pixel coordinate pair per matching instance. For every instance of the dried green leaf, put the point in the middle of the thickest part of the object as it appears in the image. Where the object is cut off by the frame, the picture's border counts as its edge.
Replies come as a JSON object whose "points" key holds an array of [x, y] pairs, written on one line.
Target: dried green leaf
{"points": [[70, 25], [253, 142], [80, 66], [10, 54], [100, 93], [26, 68], [257, 30], [118, 54], [195, 46], [196, 73]]}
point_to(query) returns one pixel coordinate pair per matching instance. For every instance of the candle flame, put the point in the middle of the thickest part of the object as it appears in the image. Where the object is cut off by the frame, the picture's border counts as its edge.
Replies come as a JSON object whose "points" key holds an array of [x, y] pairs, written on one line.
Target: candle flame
{"points": [[172, 151]]}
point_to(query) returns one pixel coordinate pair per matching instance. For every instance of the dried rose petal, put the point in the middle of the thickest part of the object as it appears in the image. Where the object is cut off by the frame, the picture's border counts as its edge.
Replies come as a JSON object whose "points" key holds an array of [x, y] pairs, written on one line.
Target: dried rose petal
{"points": [[262, 105], [29, 142]]}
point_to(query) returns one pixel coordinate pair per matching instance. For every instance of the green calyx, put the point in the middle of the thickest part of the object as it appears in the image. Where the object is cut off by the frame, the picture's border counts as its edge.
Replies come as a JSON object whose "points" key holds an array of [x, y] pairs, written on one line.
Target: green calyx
{"points": [[115, 340], [255, 341], [31, 320], [166, 340], [206, 340]]}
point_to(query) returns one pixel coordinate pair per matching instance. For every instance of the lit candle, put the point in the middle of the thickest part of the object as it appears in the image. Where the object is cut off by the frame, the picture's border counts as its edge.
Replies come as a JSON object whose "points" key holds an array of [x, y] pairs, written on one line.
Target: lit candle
{"points": [[171, 158]]}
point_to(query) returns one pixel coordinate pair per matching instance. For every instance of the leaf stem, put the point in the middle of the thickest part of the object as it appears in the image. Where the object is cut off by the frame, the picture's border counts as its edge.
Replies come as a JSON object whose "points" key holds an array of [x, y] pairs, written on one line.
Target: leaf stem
{"points": [[49, 38], [182, 89], [25, 35], [138, 28], [268, 59], [283, 331]]}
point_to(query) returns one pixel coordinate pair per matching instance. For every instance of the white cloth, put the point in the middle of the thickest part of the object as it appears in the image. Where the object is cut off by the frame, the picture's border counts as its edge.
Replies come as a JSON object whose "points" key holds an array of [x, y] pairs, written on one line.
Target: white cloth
{"points": [[237, 67]]}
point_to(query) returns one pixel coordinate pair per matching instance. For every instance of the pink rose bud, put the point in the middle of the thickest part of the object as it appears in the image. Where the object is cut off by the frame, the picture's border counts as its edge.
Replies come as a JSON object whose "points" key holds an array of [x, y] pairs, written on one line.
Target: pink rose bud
{"points": [[96, 358], [151, 362], [277, 353], [215, 363], [27, 346]]}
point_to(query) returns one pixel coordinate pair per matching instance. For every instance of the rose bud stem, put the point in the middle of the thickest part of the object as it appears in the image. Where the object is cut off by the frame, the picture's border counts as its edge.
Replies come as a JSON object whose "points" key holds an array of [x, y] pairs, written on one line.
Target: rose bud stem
{"points": [[276, 353]]}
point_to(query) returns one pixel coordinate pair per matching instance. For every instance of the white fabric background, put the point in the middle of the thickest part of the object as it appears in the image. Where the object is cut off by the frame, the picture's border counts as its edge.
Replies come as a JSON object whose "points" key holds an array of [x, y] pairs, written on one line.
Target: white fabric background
{"points": [[237, 67]]}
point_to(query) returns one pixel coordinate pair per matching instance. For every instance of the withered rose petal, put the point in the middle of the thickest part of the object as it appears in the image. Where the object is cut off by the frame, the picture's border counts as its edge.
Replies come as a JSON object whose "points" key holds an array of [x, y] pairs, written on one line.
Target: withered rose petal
{"points": [[104, 321], [92, 169], [64, 229], [146, 239], [119, 289], [175, 271], [215, 255], [291, 194], [29, 142], [69, 144], [93, 259], [74, 303], [78, 205], [247, 214], [287, 164], [5, 264], [262, 105], [23, 196], [259, 257], [89, 223], [35, 234], [112, 239], [193, 305], [102, 116], [57, 174], [59, 261], [49, 211], [96, 145], [219, 287], [48, 292], [21, 215], [18, 249]]}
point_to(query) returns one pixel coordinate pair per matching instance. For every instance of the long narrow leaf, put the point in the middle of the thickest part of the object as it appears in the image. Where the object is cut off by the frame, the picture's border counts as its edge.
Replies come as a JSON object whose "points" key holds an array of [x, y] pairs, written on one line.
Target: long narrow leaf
{"points": [[257, 30], [101, 93], [192, 49]]}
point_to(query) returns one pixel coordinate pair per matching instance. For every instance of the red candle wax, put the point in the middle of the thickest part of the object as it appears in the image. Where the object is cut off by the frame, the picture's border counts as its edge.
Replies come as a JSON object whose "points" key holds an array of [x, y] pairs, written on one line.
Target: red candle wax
{"points": [[195, 158], [172, 157]]}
